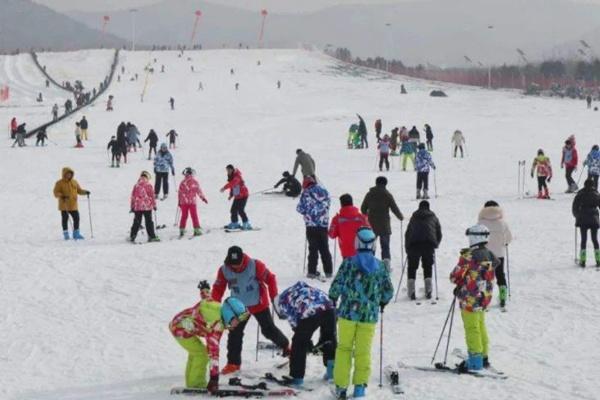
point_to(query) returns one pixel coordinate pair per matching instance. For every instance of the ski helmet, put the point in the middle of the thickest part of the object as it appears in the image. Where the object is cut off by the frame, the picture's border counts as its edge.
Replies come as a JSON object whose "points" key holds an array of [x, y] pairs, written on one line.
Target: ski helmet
{"points": [[365, 240], [478, 234], [164, 147], [233, 308], [540, 152], [188, 171]]}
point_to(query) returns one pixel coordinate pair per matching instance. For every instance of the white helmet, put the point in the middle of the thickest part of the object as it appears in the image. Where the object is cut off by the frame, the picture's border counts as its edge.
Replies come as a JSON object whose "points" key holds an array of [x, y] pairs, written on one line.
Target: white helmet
{"points": [[478, 234]]}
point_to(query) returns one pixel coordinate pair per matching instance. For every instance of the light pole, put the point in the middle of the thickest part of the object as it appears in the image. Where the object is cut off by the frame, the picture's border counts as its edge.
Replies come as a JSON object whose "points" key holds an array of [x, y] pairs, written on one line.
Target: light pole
{"points": [[133, 11], [490, 27], [387, 61]]}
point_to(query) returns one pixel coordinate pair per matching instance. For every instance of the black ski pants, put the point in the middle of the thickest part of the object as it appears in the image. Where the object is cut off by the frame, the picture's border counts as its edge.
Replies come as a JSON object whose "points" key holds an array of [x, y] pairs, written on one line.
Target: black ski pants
{"points": [[384, 242], [301, 341], [151, 149], [384, 158], [429, 144], [499, 271], [318, 244], [364, 144], [423, 253], [238, 208], [595, 179], [542, 183], [456, 148], [593, 236], [137, 223], [423, 180], [65, 219], [40, 140], [267, 328], [162, 179], [569, 176]]}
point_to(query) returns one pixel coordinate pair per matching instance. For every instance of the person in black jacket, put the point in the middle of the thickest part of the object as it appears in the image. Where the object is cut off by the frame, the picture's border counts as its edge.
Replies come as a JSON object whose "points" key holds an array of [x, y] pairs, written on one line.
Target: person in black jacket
{"points": [[362, 132], [41, 137], [122, 140], [152, 138], [423, 236], [115, 150], [429, 137], [83, 125], [585, 211], [291, 185]]}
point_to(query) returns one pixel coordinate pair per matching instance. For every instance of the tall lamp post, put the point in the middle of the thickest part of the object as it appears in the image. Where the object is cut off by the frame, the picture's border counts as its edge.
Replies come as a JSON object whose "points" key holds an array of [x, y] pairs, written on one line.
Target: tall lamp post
{"points": [[133, 11], [388, 32], [490, 27]]}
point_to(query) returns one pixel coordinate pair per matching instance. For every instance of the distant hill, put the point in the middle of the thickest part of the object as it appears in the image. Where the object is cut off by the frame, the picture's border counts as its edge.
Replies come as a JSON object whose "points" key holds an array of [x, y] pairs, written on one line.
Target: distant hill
{"points": [[25, 24], [441, 32]]}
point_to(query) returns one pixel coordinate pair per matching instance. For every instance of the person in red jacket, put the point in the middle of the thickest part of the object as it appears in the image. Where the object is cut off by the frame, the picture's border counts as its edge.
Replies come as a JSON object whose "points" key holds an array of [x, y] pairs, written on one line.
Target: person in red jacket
{"points": [[251, 282], [345, 225], [569, 161], [13, 127], [239, 192]]}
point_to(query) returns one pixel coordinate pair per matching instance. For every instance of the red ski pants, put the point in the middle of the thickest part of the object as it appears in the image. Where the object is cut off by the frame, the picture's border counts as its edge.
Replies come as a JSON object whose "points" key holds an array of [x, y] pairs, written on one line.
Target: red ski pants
{"points": [[189, 209]]}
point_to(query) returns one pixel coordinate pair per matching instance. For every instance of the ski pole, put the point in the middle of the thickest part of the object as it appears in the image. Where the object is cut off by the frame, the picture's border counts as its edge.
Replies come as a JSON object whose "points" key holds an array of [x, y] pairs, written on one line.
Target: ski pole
{"points": [[381, 348], [334, 250], [176, 215], [575, 248], [400, 282], [90, 215], [436, 275], [305, 249], [508, 270], [257, 333], [402, 242], [519, 179], [435, 184], [450, 330], [443, 329], [580, 175]]}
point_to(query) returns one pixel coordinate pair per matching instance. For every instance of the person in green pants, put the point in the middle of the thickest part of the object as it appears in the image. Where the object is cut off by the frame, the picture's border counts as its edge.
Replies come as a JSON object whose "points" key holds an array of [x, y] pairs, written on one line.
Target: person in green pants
{"points": [[207, 319], [364, 288]]}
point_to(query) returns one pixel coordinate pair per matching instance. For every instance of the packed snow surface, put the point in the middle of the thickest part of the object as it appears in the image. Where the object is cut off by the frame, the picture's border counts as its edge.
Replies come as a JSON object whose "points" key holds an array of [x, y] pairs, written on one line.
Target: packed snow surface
{"points": [[88, 320]]}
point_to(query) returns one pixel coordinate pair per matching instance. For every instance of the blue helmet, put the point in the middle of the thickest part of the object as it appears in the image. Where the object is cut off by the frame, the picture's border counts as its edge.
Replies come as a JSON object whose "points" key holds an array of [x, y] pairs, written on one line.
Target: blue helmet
{"points": [[365, 240], [233, 308]]}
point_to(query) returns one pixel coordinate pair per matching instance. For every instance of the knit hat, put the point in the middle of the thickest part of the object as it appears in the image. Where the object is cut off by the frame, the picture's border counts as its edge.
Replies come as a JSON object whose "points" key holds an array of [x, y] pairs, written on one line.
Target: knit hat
{"points": [[234, 256], [381, 180], [146, 175], [424, 205], [588, 184], [345, 200]]}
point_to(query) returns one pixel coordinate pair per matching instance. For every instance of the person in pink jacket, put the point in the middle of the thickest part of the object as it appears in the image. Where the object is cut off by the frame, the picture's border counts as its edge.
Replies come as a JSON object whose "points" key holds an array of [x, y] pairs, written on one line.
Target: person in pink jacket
{"points": [[142, 204], [189, 189]]}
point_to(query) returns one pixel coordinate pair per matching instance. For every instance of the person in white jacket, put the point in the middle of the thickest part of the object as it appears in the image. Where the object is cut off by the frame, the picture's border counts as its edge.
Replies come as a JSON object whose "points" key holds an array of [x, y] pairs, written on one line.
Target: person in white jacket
{"points": [[492, 217], [458, 140]]}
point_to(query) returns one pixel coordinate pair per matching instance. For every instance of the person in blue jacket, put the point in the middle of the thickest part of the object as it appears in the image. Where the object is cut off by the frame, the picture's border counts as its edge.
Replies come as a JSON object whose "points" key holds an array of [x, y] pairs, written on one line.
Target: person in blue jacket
{"points": [[163, 162]]}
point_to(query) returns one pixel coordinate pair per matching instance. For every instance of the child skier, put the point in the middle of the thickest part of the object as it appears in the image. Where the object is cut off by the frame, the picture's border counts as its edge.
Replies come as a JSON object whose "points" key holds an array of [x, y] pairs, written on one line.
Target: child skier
{"points": [[142, 204], [365, 288], [189, 188], [239, 192], [152, 138], [384, 152], [423, 163], [407, 149], [207, 319], [172, 135], [585, 210], [291, 185], [458, 140], [541, 165], [66, 191], [307, 309], [163, 162], [569, 161], [592, 162], [115, 150]]}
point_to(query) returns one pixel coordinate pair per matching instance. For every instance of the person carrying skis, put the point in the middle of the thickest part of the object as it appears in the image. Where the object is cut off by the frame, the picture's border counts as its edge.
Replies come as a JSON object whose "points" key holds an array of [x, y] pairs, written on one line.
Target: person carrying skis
{"points": [[378, 127], [384, 152], [458, 140], [423, 235], [474, 280], [172, 135], [189, 189], [377, 205], [291, 185], [345, 224], [362, 132], [83, 124], [307, 309], [306, 163], [423, 163], [240, 193], [429, 137], [407, 149], [163, 162], [314, 207], [66, 191], [152, 138], [492, 217], [115, 151], [585, 210], [142, 204], [251, 282], [592, 162], [207, 319], [569, 161], [41, 137], [541, 165], [364, 288]]}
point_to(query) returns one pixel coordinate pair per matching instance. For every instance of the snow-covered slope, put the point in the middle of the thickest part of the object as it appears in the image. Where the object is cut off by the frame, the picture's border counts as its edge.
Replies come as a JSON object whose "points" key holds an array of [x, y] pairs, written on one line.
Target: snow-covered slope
{"points": [[89, 320]]}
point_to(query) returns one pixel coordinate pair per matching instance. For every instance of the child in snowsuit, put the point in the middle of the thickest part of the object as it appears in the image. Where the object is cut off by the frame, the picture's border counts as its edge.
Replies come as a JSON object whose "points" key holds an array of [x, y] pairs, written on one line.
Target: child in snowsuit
{"points": [[172, 135], [163, 162], [423, 163], [407, 149], [585, 210], [207, 319], [189, 188], [364, 288], [474, 280], [152, 138], [66, 191], [239, 192], [458, 140], [384, 152], [592, 162], [541, 165], [569, 161], [307, 309], [142, 204], [291, 185], [353, 137], [115, 150]]}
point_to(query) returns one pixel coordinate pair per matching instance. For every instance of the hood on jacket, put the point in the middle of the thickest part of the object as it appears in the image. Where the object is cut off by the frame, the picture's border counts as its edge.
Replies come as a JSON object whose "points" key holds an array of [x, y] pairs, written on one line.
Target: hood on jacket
{"points": [[491, 213], [349, 211], [595, 154], [65, 171], [366, 261]]}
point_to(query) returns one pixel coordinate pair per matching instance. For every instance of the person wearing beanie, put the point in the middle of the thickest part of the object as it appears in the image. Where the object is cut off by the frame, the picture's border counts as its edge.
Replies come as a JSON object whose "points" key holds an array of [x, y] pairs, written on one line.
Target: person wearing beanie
{"points": [[306, 163], [429, 137], [163, 163], [592, 162], [189, 189], [585, 210], [345, 224], [206, 320], [142, 204], [66, 191], [492, 217], [291, 185], [408, 147], [473, 277], [314, 207], [238, 191], [384, 152], [423, 163], [458, 140], [363, 287], [377, 205], [541, 165], [250, 281], [423, 235], [569, 162]]}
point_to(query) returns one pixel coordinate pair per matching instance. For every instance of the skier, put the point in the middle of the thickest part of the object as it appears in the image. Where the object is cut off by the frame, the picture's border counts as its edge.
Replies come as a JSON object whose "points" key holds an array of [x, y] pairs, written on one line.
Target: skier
{"points": [[588, 100], [239, 192], [122, 140], [353, 137], [403, 89], [492, 217], [66, 191], [423, 235], [384, 152], [13, 127], [189, 188], [314, 207], [429, 137], [592, 161], [414, 136], [172, 135], [278, 84], [378, 127], [163, 162], [41, 137], [250, 281], [345, 224], [142, 204], [569, 161], [237, 86], [152, 138], [377, 205], [423, 163], [362, 132], [394, 141], [115, 151], [541, 165], [133, 136], [55, 112], [172, 103], [83, 124], [78, 135], [109, 103], [307, 309], [207, 319], [474, 280], [291, 185], [20, 134], [408, 149], [364, 286], [306, 163], [458, 140], [200, 86], [585, 210]]}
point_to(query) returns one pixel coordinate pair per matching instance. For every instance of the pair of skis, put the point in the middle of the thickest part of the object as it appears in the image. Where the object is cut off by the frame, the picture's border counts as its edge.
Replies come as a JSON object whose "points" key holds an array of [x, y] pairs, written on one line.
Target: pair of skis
{"points": [[241, 392]]}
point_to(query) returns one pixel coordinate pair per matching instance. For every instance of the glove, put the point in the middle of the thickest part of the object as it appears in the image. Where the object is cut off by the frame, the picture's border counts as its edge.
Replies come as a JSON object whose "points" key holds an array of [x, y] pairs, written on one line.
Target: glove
{"points": [[456, 291], [154, 208], [222, 190], [562, 166], [87, 192], [213, 384], [549, 178], [532, 174], [205, 201], [382, 307], [131, 211]]}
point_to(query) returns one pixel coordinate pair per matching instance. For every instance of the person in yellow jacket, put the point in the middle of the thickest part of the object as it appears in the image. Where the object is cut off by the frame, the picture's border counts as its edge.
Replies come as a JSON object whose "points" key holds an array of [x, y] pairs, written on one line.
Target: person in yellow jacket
{"points": [[541, 165], [66, 191]]}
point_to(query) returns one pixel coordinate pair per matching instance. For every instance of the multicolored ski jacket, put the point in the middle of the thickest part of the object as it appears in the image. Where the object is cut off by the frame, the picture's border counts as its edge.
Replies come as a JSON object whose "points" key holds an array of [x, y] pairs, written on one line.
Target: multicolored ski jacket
{"points": [[314, 206], [474, 278], [189, 189], [541, 165], [423, 161], [142, 196], [163, 162], [592, 161], [302, 301]]}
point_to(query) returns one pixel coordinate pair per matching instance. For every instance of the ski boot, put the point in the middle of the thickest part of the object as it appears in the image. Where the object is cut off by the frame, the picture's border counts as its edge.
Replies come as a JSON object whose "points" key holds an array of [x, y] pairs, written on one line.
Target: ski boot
{"points": [[230, 369], [410, 288], [66, 235], [198, 231], [428, 288], [77, 235], [329, 372], [112, 165], [313, 275], [359, 391], [418, 194], [503, 293], [233, 225], [181, 233], [582, 258], [297, 383], [388, 264], [473, 363], [546, 194], [246, 226], [597, 257], [540, 195], [164, 197], [154, 239], [341, 393], [425, 194]]}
